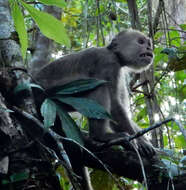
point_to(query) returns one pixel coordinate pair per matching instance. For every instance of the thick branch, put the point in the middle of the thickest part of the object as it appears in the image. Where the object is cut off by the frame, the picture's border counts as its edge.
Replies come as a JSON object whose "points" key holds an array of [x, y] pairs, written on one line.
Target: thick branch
{"points": [[125, 163], [133, 11]]}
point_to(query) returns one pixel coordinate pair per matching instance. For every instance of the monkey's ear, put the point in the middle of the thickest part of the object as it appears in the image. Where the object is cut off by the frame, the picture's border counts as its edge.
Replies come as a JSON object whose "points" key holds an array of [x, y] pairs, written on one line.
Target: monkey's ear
{"points": [[113, 45]]}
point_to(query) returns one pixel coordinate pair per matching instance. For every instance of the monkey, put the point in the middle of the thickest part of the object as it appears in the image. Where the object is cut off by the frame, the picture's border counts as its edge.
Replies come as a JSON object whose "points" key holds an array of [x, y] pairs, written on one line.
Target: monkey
{"points": [[130, 50]]}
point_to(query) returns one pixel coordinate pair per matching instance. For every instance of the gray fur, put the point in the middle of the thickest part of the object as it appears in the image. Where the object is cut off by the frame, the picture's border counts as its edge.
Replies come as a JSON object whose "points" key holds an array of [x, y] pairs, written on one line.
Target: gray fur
{"points": [[130, 50], [105, 63]]}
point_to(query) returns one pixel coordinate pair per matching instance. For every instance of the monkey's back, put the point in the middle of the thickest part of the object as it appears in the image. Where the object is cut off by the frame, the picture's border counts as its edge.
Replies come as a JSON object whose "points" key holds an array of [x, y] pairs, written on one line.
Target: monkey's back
{"points": [[81, 65]]}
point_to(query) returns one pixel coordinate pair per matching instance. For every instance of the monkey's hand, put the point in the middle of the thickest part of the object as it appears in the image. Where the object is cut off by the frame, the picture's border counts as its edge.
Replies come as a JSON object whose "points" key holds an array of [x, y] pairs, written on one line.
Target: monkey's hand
{"points": [[118, 139], [145, 148]]}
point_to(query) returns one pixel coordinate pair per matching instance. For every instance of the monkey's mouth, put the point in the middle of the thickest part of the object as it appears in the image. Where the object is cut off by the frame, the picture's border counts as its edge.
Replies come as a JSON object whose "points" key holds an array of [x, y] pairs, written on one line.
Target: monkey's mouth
{"points": [[147, 54]]}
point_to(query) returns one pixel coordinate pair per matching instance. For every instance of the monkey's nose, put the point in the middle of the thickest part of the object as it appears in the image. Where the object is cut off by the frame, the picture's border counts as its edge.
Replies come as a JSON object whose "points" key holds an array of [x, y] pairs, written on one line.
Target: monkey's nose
{"points": [[149, 48]]}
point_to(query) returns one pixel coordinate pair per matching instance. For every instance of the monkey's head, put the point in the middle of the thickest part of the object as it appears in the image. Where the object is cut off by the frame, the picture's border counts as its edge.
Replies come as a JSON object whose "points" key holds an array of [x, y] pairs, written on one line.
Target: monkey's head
{"points": [[133, 49]]}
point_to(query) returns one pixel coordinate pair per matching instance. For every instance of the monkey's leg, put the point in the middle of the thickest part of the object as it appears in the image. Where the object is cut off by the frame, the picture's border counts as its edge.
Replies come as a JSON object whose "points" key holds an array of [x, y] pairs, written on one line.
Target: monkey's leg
{"points": [[100, 129], [125, 124]]}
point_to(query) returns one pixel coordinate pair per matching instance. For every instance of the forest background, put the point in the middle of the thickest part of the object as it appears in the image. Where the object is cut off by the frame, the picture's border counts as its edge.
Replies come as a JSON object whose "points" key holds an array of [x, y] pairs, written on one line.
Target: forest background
{"points": [[30, 38]]}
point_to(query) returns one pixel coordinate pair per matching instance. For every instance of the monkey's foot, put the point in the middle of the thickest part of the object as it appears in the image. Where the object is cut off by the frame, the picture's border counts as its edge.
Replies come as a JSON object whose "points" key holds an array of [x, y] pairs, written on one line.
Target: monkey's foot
{"points": [[145, 148]]}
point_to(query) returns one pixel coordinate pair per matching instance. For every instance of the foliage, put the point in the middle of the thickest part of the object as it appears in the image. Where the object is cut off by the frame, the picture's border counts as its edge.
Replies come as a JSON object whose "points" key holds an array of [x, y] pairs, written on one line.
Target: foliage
{"points": [[19, 26], [59, 96], [90, 24], [49, 25]]}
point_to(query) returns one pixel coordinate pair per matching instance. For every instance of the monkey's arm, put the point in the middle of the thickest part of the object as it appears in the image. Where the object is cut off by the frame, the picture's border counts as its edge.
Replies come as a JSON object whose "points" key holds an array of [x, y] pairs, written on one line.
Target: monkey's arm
{"points": [[124, 124]]}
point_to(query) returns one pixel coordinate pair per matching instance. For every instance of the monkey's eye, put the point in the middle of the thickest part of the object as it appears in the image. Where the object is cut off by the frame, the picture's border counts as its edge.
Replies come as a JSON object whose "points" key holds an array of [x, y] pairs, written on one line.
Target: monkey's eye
{"points": [[141, 41]]}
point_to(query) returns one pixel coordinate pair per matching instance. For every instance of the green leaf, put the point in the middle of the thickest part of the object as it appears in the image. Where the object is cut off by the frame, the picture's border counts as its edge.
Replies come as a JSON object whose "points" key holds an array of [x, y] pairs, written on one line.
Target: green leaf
{"points": [[77, 86], [182, 93], [49, 25], [87, 107], [180, 141], [182, 49], [57, 3], [180, 76], [102, 180], [5, 109], [21, 87], [141, 114], [19, 176], [175, 38], [158, 35], [19, 26], [48, 111], [16, 177], [183, 26], [159, 56], [26, 86], [32, 85], [70, 128]]}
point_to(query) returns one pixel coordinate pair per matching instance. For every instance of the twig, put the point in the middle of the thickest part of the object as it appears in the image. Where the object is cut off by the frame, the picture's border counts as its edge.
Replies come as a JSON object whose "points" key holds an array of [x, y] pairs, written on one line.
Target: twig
{"points": [[171, 29], [126, 139], [142, 165], [141, 84], [139, 91], [158, 80], [183, 131], [142, 132], [19, 69]]}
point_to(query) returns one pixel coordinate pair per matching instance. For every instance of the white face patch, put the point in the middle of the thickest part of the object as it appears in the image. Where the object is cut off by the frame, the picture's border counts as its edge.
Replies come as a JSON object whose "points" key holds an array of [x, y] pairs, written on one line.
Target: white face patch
{"points": [[135, 50]]}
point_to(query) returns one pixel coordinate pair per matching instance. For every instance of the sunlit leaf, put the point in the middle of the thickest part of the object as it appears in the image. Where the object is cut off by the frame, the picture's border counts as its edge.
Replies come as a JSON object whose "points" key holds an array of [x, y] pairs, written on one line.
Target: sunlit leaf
{"points": [[180, 141], [180, 75], [49, 25], [158, 35], [57, 3], [182, 93], [19, 26], [63, 178], [183, 26], [159, 56], [141, 114], [182, 49], [102, 180], [48, 111], [174, 37]]}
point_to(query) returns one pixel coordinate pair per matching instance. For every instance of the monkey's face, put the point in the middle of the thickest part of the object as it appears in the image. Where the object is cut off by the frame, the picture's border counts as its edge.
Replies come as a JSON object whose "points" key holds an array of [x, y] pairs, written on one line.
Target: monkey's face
{"points": [[135, 50]]}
